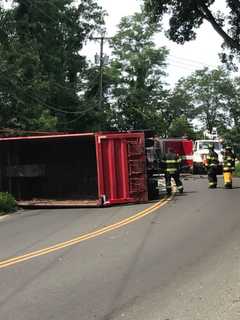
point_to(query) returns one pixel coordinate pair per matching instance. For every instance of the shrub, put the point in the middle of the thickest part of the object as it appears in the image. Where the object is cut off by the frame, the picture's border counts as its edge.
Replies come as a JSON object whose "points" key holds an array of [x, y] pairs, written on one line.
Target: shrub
{"points": [[237, 170], [7, 203]]}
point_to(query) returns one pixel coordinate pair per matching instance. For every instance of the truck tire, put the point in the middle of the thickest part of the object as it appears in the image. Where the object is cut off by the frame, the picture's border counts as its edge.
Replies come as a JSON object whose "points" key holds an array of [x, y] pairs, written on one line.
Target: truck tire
{"points": [[195, 169]]}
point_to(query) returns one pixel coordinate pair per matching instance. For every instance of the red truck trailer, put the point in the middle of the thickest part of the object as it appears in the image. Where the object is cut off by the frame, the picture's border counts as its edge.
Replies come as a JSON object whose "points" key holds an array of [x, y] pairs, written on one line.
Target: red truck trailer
{"points": [[82, 169]]}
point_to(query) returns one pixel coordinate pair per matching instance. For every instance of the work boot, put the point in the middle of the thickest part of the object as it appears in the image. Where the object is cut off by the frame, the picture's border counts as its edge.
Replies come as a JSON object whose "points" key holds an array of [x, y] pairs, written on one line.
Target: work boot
{"points": [[180, 189], [228, 186], [212, 185], [169, 191]]}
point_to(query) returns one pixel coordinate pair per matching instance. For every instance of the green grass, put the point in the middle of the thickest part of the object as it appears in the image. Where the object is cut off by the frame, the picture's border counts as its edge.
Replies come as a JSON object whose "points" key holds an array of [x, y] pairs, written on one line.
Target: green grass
{"points": [[7, 203], [237, 170]]}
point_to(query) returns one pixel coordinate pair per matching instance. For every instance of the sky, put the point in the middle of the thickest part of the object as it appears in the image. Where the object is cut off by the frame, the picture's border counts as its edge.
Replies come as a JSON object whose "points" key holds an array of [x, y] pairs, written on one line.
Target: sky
{"points": [[183, 59]]}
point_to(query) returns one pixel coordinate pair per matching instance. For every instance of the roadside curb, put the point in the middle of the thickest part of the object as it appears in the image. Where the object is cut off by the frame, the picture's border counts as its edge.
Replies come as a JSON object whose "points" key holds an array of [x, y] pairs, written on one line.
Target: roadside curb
{"points": [[4, 215]]}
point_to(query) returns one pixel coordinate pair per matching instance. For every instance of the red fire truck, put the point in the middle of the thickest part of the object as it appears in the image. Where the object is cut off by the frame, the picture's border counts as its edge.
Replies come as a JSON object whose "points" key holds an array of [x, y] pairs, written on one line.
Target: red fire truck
{"points": [[183, 147]]}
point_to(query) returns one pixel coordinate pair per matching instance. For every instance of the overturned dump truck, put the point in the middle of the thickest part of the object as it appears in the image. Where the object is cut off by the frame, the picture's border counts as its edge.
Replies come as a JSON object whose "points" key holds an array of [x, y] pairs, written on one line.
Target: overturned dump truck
{"points": [[77, 169]]}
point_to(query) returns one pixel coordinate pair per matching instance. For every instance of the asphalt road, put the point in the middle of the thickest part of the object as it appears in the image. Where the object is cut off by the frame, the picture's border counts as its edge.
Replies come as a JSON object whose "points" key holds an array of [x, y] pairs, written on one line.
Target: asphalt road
{"points": [[180, 262]]}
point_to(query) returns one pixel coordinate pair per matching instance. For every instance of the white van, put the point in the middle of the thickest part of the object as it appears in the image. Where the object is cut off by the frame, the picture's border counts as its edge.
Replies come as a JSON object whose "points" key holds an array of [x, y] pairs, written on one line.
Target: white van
{"points": [[200, 152]]}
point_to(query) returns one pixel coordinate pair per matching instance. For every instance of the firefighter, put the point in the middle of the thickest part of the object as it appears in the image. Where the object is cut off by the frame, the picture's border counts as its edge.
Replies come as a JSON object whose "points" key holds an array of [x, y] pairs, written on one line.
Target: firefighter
{"points": [[212, 166], [172, 167], [228, 166]]}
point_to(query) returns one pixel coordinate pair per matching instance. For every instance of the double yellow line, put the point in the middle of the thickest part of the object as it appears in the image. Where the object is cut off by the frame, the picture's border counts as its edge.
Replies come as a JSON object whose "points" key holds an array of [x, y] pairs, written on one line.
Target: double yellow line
{"points": [[84, 237]]}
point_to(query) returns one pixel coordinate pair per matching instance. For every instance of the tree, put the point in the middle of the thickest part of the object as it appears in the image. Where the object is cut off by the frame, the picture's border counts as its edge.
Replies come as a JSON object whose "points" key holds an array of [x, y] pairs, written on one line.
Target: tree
{"points": [[210, 91], [185, 17], [232, 137], [97, 119], [42, 68], [137, 72], [180, 127], [177, 103], [233, 103], [231, 134]]}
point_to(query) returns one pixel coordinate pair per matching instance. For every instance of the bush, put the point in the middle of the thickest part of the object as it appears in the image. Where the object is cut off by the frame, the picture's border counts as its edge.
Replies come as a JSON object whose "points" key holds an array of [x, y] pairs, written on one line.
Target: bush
{"points": [[7, 203], [237, 170]]}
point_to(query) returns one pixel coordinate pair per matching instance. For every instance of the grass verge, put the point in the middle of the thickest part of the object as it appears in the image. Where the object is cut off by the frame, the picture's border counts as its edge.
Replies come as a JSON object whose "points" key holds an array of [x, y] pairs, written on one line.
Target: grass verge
{"points": [[7, 203], [237, 170]]}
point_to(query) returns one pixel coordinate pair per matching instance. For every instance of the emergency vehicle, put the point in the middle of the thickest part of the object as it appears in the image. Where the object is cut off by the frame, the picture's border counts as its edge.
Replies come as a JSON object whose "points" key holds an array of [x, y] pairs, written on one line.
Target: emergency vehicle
{"points": [[200, 152], [182, 147]]}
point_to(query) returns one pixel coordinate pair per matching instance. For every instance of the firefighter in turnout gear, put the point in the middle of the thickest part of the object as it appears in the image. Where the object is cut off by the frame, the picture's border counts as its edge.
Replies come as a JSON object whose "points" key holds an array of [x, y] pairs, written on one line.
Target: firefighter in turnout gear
{"points": [[212, 167], [228, 167], [172, 166]]}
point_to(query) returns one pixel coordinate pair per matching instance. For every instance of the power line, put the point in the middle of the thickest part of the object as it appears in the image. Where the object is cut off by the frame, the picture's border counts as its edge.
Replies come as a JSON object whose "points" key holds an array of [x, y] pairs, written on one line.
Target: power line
{"points": [[45, 14], [54, 20], [42, 11], [185, 63], [42, 103], [191, 61], [181, 66]]}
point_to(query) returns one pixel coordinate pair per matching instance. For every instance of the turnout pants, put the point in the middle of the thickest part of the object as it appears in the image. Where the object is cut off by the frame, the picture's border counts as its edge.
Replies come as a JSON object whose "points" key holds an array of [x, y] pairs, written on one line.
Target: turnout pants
{"points": [[212, 177], [227, 176], [176, 178]]}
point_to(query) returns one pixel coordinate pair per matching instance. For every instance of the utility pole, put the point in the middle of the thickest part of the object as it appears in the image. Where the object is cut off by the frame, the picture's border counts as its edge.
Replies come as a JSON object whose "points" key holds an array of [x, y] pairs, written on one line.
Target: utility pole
{"points": [[101, 62], [101, 65]]}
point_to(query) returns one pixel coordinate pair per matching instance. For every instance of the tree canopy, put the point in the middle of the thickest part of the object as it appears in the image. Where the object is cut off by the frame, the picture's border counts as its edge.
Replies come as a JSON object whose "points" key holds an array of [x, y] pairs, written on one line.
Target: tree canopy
{"points": [[41, 65], [138, 70], [47, 83], [209, 92], [185, 17]]}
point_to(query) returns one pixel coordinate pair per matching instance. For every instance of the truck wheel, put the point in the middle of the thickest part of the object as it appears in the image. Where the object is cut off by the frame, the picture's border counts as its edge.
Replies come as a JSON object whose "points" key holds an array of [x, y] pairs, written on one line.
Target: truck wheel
{"points": [[195, 169]]}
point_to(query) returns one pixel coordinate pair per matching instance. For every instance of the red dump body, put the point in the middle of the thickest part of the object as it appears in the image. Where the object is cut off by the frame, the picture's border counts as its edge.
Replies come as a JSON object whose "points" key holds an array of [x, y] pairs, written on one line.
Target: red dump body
{"points": [[183, 147], [74, 169]]}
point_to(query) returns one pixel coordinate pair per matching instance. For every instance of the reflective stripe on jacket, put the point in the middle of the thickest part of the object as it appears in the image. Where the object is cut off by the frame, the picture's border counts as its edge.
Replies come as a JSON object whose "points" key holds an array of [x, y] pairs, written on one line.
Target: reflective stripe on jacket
{"points": [[172, 163], [212, 159], [229, 163]]}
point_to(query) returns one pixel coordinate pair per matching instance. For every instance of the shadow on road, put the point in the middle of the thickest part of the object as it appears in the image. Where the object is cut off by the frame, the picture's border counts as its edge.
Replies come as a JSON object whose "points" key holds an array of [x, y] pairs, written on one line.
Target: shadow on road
{"points": [[223, 188]]}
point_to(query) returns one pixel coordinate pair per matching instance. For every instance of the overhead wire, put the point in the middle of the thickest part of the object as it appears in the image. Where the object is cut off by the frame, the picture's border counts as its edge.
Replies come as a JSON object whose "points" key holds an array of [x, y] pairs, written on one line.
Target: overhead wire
{"points": [[42, 103], [191, 61], [42, 11], [45, 14], [184, 63], [188, 62], [181, 66], [57, 84], [193, 66]]}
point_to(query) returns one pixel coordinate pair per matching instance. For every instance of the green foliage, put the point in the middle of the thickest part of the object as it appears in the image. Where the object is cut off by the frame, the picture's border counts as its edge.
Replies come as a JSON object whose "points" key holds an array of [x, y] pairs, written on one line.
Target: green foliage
{"points": [[42, 69], [209, 92], [234, 102], [97, 119], [232, 136], [7, 203], [47, 84], [176, 104], [212, 98], [180, 127], [137, 73], [185, 17], [237, 170]]}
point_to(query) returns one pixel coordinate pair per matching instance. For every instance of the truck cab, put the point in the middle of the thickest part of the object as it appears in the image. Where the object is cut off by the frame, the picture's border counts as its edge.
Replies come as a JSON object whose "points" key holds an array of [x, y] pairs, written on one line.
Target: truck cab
{"points": [[200, 152]]}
